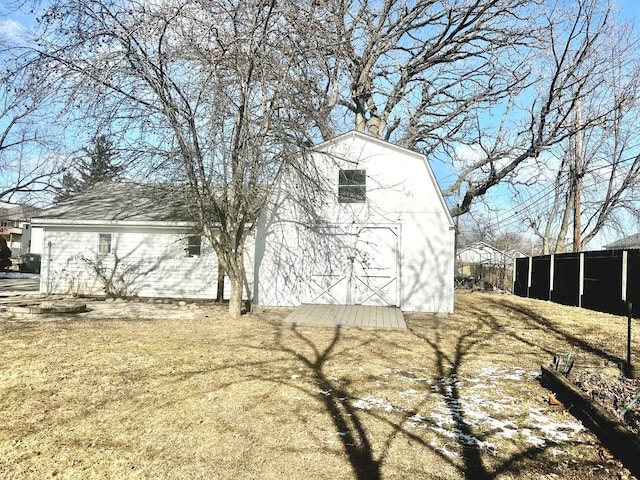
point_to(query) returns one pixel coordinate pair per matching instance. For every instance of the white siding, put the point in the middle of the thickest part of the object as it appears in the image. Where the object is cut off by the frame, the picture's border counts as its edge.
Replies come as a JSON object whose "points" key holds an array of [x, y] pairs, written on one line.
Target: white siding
{"points": [[145, 262], [303, 234], [37, 240]]}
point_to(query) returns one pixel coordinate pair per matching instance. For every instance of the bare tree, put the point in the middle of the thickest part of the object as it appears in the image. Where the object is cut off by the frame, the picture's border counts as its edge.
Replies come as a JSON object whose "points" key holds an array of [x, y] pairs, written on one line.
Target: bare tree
{"points": [[596, 174], [210, 90], [533, 121], [421, 73], [25, 126], [500, 76]]}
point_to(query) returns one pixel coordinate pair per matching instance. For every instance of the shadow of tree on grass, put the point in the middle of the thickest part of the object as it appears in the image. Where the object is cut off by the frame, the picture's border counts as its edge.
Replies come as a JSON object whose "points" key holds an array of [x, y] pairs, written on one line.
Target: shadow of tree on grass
{"points": [[351, 431], [530, 318], [365, 452]]}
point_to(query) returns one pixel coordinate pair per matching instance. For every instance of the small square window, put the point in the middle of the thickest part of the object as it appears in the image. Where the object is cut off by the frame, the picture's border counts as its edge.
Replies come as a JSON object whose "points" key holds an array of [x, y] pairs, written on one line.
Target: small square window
{"points": [[104, 243], [193, 245], [352, 186]]}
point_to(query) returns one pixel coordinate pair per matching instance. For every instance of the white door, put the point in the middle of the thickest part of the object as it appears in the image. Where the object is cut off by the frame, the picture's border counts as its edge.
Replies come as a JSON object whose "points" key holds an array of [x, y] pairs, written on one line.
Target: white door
{"points": [[360, 267]]}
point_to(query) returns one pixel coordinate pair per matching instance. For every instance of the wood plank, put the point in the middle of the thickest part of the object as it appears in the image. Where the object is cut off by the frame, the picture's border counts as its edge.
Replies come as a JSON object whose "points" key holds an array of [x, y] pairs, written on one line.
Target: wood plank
{"points": [[325, 315], [387, 317], [395, 321], [379, 318], [353, 312], [401, 323], [617, 437], [362, 316], [369, 317]]}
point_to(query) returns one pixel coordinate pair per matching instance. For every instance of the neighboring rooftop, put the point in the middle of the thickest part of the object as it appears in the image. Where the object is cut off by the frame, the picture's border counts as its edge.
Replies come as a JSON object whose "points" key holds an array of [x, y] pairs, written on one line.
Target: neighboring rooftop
{"points": [[19, 213], [632, 241]]}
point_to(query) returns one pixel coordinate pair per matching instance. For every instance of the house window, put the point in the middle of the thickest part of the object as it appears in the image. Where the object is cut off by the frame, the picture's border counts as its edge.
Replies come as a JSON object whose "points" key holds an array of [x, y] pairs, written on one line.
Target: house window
{"points": [[193, 245], [104, 243], [352, 186]]}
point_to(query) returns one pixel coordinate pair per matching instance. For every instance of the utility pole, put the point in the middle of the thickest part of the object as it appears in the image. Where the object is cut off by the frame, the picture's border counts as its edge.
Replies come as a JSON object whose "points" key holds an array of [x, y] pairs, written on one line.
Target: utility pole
{"points": [[576, 178]]}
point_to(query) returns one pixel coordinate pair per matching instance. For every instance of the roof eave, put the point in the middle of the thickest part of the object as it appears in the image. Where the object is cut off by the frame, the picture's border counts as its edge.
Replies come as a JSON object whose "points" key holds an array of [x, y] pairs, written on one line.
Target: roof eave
{"points": [[66, 222]]}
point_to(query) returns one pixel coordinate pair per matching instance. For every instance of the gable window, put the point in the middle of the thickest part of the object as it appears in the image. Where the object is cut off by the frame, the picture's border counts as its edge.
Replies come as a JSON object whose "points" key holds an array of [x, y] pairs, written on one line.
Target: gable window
{"points": [[104, 243], [193, 245], [352, 186]]}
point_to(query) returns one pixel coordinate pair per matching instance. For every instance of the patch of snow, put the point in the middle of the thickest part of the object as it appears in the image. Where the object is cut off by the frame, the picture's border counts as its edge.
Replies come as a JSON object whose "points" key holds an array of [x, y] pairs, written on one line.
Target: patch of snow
{"points": [[408, 393], [556, 431], [484, 410], [466, 439], [442, 419], [532, 439], [556, 453], [444, 450], [369, 403], [507, 432]]}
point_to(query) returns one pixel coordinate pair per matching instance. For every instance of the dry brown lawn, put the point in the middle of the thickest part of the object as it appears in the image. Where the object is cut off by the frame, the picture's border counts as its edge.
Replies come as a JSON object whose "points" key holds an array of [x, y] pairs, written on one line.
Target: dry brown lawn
{"points": [[211, 398]]}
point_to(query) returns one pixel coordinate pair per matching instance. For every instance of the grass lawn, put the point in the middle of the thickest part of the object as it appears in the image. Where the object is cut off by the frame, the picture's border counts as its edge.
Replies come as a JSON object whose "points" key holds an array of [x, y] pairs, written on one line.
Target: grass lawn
{"points": [[212, 398]]}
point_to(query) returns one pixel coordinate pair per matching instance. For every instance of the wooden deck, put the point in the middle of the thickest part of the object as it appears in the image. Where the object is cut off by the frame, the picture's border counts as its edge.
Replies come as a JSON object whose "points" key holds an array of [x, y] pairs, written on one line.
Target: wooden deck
{"points": [[363, 316]]}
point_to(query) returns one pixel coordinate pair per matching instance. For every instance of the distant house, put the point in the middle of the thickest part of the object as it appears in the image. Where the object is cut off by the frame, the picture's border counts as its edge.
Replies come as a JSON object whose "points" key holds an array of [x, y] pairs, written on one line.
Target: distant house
{"points": [[486, 254], [626, 243], [129, 239], [481, 263], [372, 229], [15, 228]]}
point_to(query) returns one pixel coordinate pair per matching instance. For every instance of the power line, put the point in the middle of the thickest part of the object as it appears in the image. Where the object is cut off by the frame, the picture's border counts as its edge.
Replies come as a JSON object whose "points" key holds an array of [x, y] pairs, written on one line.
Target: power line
{"points": [[539, 197]]}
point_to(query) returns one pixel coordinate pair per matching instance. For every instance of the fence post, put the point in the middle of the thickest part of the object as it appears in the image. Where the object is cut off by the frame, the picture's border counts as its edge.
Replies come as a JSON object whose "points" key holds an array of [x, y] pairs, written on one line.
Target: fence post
{"points": [[581, 280], [624, 275], [529, 276], [552, 264]]}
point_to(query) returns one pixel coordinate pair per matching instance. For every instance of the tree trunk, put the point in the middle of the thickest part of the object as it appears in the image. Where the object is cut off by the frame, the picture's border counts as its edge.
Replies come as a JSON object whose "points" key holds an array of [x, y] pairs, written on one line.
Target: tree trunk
{"points": [[235, 302], [220, 290], [236, 276]]}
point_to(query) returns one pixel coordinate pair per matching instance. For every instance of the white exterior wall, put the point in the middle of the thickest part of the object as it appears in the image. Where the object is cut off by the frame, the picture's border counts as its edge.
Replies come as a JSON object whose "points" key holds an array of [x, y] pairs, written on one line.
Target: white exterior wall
{"points": [[152, 262], [37, 240], [402, 229], [25, 240]]}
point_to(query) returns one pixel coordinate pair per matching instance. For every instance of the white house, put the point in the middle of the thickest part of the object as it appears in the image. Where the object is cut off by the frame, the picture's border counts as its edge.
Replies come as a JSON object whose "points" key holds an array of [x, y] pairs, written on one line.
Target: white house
{"points": [[358, 221], [128, 238], [15, 228], [481, 253]]}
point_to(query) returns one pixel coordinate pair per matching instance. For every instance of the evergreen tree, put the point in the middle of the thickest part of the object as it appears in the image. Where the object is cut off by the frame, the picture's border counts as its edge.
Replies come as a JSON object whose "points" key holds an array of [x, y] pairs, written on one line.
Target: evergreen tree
{"points": [[96, 166]]}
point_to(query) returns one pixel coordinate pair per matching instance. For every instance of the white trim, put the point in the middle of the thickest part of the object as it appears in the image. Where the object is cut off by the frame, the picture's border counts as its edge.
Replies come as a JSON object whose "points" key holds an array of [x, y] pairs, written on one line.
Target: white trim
{"points": [[625, 254], [60, 222], [581, 281]]}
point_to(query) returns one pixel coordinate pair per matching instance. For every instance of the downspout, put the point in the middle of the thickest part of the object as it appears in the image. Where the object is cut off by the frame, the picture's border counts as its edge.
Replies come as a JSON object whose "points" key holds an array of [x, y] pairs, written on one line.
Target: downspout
{"points": [[48, 277]]}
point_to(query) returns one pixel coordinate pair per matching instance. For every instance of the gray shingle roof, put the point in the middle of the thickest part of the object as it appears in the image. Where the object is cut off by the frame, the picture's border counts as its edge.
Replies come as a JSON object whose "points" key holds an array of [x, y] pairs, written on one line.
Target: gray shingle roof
{"points": [[632, 241], [123, 201]]}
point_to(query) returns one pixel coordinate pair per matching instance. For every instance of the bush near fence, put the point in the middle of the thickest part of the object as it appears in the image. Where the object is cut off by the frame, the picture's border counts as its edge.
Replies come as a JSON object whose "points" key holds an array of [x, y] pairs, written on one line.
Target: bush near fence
{"points": [[605, 280]]}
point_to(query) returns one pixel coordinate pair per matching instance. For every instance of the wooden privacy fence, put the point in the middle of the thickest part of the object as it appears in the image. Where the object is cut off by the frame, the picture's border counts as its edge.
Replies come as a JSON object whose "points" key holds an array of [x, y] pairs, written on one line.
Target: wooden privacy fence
{"points": [[603, 280]]}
